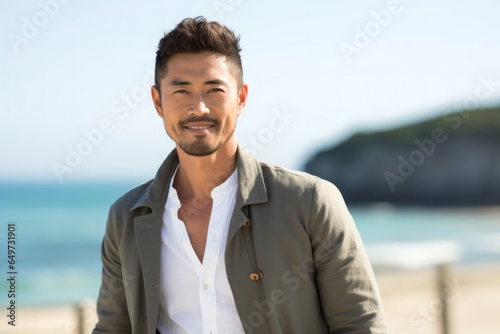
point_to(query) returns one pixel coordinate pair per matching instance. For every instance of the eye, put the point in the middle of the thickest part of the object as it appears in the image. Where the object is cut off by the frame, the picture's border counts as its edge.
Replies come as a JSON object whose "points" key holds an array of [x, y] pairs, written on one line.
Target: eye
{"points": [[216, 90], [181, 91]]}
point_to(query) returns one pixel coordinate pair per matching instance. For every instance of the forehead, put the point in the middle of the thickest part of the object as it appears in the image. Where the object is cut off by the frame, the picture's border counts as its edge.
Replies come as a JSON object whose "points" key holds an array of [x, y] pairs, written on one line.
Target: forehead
{"points": [[197, 66]]}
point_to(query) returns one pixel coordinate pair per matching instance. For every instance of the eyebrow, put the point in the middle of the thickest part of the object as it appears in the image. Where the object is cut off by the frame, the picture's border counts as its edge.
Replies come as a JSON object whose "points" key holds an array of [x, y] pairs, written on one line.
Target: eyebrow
{"points": [[179, 82]]}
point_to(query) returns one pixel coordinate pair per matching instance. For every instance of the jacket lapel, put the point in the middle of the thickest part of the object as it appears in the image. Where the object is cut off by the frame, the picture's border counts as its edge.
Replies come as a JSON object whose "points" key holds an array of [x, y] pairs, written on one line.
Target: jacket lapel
{"points": [[148, 239], [147, 229], [251, 188]]}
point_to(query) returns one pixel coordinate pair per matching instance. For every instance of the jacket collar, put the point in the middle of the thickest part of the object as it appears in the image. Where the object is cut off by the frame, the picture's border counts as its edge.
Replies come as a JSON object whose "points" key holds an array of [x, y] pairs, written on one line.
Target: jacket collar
{"points": [[251, 185], [156, 193]]}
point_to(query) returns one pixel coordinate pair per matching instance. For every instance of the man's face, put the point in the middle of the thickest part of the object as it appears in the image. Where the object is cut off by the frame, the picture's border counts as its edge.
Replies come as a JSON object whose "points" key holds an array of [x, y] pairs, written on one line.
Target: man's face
{"points": [[199, 102]]}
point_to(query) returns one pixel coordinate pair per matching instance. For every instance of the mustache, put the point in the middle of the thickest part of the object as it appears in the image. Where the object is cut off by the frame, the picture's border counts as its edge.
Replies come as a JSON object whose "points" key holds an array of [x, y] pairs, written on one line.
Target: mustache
{"points": [[194, 119]]}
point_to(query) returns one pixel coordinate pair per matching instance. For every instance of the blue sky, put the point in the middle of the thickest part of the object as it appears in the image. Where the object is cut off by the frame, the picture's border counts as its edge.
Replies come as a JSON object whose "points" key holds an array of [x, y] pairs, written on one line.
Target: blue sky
{"points": [[75, 76]]}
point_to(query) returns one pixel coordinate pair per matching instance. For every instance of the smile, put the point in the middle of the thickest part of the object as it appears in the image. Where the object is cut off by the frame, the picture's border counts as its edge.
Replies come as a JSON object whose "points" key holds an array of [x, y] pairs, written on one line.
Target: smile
{"points": [[199, 127]]}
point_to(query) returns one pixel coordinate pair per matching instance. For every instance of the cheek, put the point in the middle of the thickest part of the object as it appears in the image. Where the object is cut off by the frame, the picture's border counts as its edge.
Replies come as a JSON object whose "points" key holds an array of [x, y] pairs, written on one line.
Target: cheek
{"points": [[168, 121], [169, 111], [231, 120], [170, 125]]}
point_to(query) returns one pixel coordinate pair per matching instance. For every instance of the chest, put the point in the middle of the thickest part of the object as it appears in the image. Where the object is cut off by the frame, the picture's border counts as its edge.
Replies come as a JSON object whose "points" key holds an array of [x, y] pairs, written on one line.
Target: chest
{"points": [[195, 215]]}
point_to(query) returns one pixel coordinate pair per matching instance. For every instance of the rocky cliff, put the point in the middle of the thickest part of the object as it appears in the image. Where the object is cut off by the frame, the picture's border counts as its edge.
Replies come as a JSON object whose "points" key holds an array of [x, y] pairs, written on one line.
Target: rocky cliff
{"points": [[452, 160]]}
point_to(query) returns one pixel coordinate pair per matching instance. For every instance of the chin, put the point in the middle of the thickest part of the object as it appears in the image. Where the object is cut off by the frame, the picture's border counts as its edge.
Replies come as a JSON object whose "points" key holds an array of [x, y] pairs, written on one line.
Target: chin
{"points": [[199, 149]]}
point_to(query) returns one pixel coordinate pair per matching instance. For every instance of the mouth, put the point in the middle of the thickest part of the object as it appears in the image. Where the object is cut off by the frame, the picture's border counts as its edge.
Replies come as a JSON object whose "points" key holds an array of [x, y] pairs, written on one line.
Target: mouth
{"points": [[199, 125], [199, 129]]}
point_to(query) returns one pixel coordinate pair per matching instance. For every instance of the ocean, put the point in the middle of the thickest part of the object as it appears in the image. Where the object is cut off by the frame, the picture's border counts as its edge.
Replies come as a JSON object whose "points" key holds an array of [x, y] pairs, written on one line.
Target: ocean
{"points": [[59, 229]]}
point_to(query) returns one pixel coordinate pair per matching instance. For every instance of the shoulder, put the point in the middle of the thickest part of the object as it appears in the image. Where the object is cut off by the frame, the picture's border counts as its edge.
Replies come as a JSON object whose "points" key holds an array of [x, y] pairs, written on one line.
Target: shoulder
{"points": [[302, 190], [315, 202], [126, 202], [293, 180], [121, 214]]}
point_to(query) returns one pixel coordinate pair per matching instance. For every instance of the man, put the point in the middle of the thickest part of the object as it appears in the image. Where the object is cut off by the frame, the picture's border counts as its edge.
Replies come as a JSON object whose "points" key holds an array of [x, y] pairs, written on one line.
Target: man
{"points": [[219, 242]]}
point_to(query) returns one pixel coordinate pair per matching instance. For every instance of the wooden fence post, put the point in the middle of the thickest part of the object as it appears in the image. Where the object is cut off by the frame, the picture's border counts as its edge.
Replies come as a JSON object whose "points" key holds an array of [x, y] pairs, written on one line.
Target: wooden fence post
{"points": [[443, 278], [86, 316], [80, 318]]}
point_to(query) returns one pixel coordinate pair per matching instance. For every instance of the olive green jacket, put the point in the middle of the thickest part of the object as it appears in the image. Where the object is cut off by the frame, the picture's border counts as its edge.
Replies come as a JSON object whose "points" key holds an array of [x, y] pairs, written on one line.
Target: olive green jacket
{"points": [[294, 259]]}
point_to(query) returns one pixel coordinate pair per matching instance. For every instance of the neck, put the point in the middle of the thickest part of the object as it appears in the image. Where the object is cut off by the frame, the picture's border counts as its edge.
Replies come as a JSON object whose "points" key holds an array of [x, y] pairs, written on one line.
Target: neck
{"points": [[198, 176]]}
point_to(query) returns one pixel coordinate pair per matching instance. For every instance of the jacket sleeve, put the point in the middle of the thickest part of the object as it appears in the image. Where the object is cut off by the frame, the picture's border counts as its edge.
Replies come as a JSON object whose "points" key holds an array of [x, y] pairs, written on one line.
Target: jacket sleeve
{"points": [[347, 288], [112, 310]]}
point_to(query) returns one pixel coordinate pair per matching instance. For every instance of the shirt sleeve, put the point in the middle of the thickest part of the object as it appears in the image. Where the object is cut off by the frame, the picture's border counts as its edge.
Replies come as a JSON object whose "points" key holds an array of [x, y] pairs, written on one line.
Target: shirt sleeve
{"points": [[347, 288]]}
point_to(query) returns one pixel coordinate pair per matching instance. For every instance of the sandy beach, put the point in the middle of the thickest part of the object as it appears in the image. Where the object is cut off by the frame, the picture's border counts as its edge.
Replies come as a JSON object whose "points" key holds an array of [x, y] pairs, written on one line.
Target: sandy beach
{"points": [[410, 300], [412, 305]]}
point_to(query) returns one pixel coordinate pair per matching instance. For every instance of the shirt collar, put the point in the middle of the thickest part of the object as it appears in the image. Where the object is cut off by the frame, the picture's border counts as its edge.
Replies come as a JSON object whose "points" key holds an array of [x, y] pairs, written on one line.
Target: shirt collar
{"points": [[248, 176], [230, 184]]}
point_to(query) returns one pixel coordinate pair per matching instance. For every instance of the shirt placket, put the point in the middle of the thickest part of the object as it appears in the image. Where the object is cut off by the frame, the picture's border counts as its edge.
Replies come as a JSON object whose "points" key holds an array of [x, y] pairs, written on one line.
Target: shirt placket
{"points": [[207, 292]]}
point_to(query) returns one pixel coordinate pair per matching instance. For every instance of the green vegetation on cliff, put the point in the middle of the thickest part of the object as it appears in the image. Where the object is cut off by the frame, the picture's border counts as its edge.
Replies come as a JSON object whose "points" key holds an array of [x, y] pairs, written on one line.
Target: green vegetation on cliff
{"points": [[453, 159]]}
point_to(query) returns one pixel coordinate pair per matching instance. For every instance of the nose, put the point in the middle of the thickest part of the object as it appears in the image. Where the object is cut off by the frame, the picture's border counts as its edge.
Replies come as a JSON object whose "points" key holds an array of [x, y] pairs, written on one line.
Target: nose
{"points": [[198, 106]]}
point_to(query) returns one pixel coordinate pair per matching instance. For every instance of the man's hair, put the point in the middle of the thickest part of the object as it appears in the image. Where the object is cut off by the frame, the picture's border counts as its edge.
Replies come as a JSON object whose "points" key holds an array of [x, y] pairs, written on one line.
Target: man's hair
{"points": [[196, 35]]}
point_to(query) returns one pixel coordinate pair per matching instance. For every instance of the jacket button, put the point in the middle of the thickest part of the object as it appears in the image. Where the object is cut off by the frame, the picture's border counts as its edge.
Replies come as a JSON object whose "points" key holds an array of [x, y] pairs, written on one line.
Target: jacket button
{"points": [[247, 223], [256, 276]]}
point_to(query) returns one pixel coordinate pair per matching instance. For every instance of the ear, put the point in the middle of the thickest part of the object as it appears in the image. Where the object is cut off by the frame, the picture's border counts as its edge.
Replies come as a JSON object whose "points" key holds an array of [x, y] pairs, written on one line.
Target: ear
{"points": [[242, 99], [155, 94]]}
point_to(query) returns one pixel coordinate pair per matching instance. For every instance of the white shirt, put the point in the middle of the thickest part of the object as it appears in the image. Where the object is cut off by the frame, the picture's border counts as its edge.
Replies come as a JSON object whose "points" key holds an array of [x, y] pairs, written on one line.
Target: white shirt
{"points": [[196, 297]]}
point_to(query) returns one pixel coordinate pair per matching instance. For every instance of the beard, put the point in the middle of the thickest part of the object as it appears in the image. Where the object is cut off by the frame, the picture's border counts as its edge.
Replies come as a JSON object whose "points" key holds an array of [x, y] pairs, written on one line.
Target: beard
{"points": [[201, 147]]}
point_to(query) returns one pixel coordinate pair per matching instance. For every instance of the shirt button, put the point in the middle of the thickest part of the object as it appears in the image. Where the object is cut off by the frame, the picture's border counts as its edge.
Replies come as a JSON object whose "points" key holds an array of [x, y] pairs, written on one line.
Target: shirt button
{"points": [[205, 286]]}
